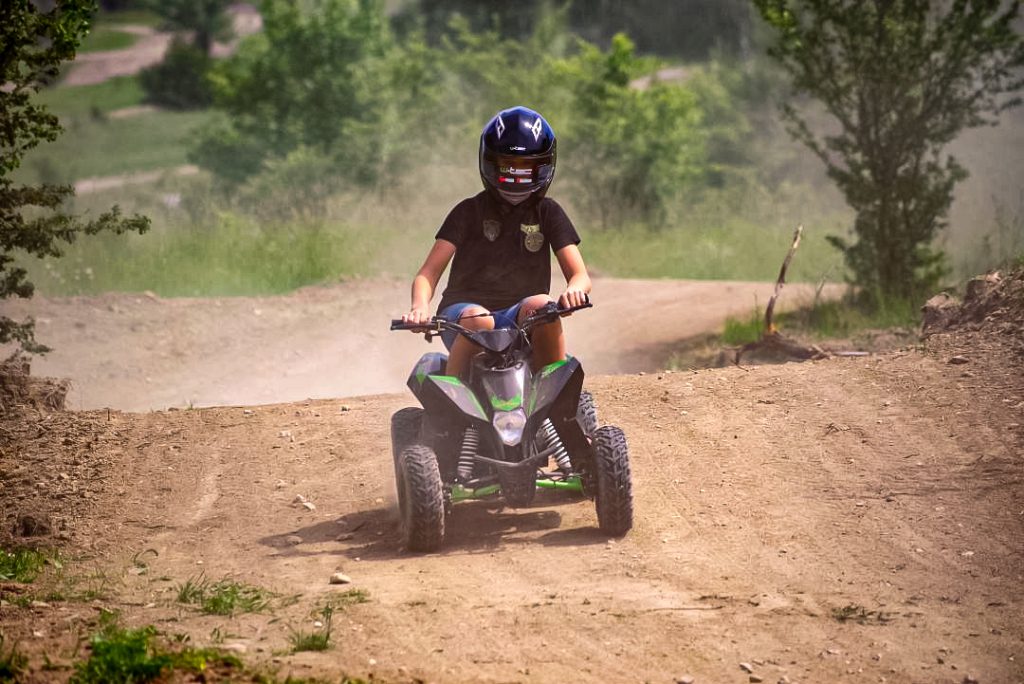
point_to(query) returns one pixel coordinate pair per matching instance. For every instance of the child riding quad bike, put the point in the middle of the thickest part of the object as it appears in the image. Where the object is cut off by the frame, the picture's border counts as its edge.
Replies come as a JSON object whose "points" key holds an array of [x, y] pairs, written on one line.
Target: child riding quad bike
{"points": [[498, 433]]}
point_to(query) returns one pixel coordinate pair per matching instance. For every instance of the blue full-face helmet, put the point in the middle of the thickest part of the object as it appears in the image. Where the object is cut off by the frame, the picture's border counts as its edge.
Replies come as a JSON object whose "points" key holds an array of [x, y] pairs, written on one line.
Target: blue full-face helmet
{"points": [[517, 155]]}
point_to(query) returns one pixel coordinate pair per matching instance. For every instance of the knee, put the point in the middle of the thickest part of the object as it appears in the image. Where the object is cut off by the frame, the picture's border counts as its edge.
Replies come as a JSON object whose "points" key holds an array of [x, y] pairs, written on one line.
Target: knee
{"points": [[531, 304], [479, 323]]}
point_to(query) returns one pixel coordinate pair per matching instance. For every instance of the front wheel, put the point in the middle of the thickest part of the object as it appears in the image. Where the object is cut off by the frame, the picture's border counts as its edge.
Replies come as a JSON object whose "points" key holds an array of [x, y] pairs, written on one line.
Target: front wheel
{"points": [[405, 430], [614, 498], [420, 498]]}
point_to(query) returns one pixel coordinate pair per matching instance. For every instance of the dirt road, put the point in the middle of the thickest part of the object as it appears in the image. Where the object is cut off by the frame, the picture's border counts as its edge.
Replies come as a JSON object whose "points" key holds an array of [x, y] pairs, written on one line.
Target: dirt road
{"points": [[137, 352], [847, 520]]}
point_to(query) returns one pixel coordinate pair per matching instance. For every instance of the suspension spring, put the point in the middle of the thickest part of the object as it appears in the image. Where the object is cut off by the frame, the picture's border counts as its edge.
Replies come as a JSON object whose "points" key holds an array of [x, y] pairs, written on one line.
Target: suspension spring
{"points": [[470, 448], [553, 443]]}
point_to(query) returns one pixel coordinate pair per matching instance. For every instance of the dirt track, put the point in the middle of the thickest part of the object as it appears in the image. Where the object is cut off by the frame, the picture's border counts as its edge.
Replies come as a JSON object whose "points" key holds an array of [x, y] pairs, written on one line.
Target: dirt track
{"points": [[771, 502], [136, 352]]}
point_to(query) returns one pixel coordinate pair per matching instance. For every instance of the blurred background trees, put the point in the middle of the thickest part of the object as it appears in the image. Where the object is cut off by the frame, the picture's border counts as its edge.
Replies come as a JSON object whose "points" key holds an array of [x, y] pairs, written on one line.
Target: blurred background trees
{"points": [[332, 141]]}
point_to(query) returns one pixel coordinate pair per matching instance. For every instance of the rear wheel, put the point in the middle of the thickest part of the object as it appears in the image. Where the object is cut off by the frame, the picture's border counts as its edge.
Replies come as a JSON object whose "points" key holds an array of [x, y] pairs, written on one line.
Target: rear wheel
{"points": [[420, 498], [586, 413], [614, 498]]}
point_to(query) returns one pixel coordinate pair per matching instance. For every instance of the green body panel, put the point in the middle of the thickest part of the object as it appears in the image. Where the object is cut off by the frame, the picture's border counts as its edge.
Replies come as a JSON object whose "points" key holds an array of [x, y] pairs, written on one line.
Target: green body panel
{"points": [[461, 395], [460, 493], [506, 404], [573, 484]]}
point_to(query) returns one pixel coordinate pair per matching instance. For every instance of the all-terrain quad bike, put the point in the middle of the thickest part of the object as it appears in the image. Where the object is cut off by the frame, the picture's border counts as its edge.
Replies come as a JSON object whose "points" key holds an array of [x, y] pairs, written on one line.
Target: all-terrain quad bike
{"points": [[498, 434]]}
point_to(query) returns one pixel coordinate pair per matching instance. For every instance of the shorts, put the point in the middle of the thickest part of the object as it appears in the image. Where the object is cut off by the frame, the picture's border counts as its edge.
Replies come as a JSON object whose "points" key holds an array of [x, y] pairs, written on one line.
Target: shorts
{"points": [[503, 318]]}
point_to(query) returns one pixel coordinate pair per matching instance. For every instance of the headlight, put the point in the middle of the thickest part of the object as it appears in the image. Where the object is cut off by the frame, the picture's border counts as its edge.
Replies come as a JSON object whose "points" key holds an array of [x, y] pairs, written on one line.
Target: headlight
{"points": [[509, 425]]}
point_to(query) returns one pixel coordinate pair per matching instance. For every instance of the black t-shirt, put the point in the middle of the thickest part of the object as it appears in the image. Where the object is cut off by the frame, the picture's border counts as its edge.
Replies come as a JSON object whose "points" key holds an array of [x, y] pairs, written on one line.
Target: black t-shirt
{"points": [[502, 252]]}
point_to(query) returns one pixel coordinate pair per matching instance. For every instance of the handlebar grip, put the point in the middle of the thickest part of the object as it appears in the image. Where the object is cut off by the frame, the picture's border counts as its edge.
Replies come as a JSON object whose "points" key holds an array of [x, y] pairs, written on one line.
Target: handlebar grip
{"points": [[399, 324]]}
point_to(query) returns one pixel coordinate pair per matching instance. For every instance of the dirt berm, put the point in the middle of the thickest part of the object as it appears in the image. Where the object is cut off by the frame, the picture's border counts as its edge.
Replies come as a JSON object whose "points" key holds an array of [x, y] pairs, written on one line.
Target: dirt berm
{"points": [[844, 520]]}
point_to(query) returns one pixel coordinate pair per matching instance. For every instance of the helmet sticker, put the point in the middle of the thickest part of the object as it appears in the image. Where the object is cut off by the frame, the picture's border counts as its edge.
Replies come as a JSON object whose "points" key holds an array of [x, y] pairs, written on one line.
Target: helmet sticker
{"points": [[536, 129], [500, 126]]}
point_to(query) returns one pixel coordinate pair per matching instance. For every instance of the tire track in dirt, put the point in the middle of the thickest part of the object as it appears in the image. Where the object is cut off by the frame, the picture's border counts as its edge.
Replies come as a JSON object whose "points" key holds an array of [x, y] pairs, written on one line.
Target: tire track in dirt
{"points": [[769, 500]]}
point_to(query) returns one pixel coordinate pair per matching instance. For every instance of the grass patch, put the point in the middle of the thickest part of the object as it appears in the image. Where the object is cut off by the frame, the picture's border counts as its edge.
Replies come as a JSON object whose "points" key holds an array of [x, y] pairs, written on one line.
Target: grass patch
{"points": [[844, 317], [24, 565], [223, 597], [317, 640], [91, 101], [12, 663], [128, 16], [348, 598], [740, 331], [122, 656], [93, 145], [101, 38], [231, 256]]}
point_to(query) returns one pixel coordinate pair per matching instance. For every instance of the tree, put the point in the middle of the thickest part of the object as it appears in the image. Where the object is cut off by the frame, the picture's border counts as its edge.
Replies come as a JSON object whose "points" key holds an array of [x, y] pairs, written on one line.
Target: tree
{"points": [[207, 19], [312, 78], [32, 221], [899, 80]]}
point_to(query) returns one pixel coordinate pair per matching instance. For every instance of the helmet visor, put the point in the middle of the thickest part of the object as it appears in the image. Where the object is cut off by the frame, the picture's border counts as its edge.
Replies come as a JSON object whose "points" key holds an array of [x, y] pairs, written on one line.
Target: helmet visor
{"points": [[517, 175]]}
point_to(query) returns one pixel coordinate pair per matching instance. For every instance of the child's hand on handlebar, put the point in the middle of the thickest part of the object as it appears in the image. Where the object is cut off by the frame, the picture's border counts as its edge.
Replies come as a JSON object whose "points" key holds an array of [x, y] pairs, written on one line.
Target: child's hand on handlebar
{"points": [[417, 314], [572, 297]]}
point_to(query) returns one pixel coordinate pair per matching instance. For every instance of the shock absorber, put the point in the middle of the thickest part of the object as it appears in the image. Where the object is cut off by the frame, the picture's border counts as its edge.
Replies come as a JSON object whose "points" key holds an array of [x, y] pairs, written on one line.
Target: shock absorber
{"points": [[470, 446], [552, 442]]}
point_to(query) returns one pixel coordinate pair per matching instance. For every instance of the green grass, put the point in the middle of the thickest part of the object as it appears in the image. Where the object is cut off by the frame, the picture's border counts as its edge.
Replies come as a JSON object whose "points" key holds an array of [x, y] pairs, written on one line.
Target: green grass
{"points": [[844, 317], [125, 656], [231, 256], [319, 640], [70, 102], [24, 565], [223, 597], [101, 38], [740, 331], [348, 598], [93, 145], [138, 17], [12, 663]]}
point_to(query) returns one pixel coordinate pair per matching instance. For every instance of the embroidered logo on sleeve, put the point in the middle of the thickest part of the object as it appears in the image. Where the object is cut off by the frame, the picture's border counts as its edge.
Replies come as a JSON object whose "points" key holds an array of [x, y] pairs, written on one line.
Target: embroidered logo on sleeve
{"points": [[492, 229], [534, 239]]}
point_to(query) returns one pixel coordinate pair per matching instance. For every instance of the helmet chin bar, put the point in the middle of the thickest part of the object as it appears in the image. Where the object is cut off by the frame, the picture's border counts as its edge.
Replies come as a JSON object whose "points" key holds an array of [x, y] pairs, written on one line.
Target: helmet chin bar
{"points": [[514, 198]]}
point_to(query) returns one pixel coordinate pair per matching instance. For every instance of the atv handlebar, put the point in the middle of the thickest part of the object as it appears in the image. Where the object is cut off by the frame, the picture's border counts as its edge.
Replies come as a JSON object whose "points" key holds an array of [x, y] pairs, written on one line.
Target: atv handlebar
{"points": [[435, 325]]}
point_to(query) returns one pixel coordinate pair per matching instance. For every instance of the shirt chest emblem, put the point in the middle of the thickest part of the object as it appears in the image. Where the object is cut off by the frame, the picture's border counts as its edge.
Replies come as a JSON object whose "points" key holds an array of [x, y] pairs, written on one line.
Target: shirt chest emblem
{"points": [[492, 229], [533, 238]]}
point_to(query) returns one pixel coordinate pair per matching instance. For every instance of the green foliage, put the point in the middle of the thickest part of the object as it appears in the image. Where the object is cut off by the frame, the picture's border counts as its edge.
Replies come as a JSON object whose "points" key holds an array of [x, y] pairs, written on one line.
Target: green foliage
{"points": [[328, 97], [845, 317], [310, 79], [319, 640], [223, 597], [691, 29], [127, 656], [739, 331], [35, 43], [900, 80], [634, 148], [12, 663], [23, 565], [179, 81]]}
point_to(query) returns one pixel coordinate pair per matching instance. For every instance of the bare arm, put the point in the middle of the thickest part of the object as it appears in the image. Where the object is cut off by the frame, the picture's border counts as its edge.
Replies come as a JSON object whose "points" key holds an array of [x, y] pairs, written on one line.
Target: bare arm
{"points": [[425, 282], [577, 280]]}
